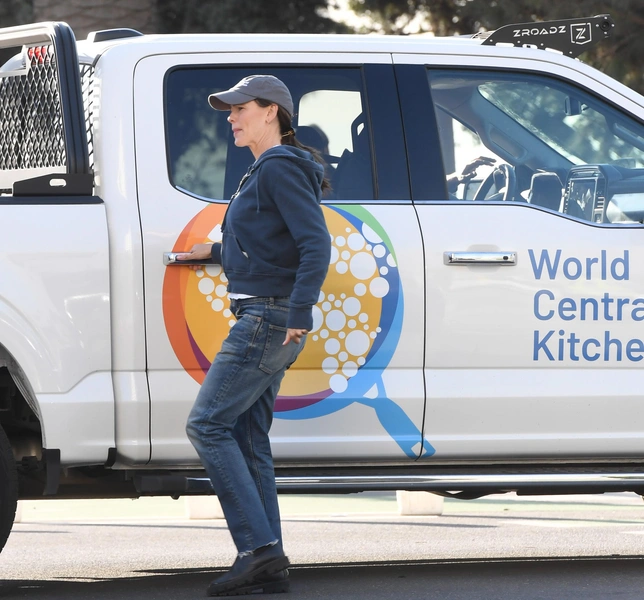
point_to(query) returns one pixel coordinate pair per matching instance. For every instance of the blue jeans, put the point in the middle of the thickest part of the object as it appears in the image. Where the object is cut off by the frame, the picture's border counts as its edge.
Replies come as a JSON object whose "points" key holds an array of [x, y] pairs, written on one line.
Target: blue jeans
{"points": [[229, 423]]}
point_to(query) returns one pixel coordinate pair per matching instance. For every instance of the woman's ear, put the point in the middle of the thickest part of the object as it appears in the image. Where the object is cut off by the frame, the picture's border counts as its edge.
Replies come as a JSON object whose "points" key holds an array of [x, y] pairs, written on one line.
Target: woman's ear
{"points": [[272, 113]]}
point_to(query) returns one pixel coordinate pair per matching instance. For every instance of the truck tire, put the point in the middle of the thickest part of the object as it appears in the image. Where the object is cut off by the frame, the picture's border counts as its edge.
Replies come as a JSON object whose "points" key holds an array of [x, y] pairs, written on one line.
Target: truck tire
{"points": [[8, 488]]}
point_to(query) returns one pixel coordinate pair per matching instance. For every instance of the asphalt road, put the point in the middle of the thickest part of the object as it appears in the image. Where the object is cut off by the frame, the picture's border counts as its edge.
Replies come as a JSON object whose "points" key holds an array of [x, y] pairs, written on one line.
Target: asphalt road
{"points": [[342, 547]]}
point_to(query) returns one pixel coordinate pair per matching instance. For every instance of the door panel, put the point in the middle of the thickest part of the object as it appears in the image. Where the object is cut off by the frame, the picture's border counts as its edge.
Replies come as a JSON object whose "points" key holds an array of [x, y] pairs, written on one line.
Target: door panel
{"points": [[517, 361], [357, 390], [538, 358]]}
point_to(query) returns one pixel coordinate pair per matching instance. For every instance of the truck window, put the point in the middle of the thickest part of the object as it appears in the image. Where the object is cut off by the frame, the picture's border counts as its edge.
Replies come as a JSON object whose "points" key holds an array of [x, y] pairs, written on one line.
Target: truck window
{"points": [[330, 117], [556, 146], [459, 147]]}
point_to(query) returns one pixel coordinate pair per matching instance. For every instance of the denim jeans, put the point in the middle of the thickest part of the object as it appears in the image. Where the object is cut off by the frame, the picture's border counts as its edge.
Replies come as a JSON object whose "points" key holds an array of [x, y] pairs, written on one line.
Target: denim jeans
{"points": [[229, 423]]}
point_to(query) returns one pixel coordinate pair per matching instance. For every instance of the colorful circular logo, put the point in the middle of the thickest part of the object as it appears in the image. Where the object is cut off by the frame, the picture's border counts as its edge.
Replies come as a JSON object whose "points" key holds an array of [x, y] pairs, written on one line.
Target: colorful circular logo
{"points": [[357, 321]]}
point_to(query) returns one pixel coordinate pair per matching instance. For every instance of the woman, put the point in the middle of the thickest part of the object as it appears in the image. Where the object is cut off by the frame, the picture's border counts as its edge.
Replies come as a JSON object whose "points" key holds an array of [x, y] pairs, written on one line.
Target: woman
{"points": [[275, 253]]}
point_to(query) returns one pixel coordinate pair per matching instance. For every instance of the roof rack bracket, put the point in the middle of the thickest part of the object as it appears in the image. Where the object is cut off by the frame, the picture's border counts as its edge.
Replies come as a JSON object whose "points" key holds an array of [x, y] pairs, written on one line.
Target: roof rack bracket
{"points": [[571, 37]]}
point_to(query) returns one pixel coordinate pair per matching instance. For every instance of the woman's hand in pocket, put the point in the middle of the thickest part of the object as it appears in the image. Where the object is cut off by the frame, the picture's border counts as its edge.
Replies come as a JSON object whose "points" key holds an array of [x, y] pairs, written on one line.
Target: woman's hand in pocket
{"points": [[294, 335]]}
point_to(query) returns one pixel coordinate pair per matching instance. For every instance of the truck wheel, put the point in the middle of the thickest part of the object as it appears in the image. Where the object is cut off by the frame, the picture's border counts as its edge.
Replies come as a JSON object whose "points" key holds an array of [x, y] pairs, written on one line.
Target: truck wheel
{"points": [[8, 488]]}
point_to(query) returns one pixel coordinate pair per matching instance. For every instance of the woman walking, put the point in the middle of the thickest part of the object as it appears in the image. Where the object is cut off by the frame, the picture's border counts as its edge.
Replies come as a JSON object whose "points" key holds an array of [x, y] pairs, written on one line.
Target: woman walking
{"points": [[275, 252]]}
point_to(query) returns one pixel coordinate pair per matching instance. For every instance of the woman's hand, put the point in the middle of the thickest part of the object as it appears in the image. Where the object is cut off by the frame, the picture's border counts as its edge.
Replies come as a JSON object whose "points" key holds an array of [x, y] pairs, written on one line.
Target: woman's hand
{"points": [[198, 252], [294, 335]]}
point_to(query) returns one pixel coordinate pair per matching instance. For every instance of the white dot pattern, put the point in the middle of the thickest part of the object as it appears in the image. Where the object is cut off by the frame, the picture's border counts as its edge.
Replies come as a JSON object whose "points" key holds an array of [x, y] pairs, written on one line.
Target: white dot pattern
{"points": [[341, 323], [347, 334], [212, 284], [206, 286]]}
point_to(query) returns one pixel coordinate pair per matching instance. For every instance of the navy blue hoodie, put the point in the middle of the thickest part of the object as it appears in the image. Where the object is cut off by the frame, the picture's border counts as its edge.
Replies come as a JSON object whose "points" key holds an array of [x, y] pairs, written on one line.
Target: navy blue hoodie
{"points": [[275, 239]]}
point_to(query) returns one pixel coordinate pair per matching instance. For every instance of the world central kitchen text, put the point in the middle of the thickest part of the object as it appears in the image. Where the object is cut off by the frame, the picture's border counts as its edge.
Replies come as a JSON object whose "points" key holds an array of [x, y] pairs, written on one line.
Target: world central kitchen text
{"points": [[563, 344]]}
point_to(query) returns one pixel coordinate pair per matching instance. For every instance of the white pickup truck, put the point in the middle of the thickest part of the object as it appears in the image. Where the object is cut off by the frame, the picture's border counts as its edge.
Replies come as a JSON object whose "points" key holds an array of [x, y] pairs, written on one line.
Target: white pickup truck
{"points": [[477, 333]]}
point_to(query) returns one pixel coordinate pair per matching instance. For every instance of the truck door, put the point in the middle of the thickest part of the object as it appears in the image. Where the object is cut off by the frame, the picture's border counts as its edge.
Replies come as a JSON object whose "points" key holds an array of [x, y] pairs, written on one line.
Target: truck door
{"points": [[357, 390], [535, 297]]}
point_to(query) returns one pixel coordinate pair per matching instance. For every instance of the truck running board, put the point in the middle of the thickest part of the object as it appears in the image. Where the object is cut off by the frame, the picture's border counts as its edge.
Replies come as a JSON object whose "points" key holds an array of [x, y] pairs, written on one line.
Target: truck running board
{"points": [[460, 486]]}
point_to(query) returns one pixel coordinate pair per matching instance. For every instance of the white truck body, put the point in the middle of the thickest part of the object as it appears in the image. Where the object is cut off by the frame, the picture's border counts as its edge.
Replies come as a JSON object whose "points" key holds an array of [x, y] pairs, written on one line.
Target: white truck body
{"points": [[460, 345]]}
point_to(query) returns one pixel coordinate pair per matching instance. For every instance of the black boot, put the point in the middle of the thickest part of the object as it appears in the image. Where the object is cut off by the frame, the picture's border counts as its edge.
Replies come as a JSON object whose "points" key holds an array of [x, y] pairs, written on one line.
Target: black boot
{"points": [[277, 583], [254, 572]]}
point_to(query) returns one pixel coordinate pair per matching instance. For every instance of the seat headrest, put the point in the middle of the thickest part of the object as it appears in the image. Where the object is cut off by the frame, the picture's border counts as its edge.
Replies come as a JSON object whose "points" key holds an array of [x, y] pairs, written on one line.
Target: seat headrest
{"points": [[545, 190], [313, 137]]}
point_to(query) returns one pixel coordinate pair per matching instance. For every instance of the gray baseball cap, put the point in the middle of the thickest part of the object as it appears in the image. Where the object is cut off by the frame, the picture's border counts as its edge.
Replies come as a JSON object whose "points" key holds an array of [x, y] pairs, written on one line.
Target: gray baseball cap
{"points": [[252, 87]]}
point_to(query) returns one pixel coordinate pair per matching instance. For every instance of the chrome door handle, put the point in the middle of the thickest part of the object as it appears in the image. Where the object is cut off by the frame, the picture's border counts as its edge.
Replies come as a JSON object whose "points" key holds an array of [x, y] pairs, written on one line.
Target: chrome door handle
{"points": [[170, 260], [480, 258]]}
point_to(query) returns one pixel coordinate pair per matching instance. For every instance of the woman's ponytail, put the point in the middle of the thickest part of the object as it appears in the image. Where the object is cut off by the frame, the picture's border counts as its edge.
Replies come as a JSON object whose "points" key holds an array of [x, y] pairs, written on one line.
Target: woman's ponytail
{"points": [[289, 139]]}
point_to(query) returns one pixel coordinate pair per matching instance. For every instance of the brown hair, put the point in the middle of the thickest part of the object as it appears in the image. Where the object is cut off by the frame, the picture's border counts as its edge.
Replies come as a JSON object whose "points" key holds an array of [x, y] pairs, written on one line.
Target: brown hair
{"points": [[289, 139]]}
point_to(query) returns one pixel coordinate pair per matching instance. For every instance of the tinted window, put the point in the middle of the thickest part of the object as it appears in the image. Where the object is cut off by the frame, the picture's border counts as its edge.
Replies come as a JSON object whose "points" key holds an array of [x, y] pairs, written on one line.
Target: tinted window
{"points": [[330, 116], [570, 122], [554, 145]]}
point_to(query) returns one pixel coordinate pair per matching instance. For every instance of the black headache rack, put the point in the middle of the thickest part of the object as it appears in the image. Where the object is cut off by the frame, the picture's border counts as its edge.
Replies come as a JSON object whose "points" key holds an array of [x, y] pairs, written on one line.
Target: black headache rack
{"points": [[571, 37], [43, 132]]}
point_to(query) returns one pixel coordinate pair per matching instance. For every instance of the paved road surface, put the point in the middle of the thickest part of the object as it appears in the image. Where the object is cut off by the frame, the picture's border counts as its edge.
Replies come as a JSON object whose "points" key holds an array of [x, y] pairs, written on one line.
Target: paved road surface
{"points": [[342, 547]]}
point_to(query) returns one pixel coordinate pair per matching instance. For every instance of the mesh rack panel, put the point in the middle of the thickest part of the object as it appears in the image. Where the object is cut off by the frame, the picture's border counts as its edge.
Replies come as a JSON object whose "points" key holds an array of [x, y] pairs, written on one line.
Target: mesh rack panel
{"points": [[31, 122]]}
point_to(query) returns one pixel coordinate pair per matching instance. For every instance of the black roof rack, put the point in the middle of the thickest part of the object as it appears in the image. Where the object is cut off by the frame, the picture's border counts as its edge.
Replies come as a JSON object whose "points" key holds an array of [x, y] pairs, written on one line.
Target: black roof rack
{"points": [[571, 37]]}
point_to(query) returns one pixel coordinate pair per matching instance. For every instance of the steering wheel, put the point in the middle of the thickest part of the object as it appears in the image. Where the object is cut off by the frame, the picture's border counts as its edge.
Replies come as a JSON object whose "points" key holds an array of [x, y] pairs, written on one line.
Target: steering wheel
{"points": [[508, 173]]}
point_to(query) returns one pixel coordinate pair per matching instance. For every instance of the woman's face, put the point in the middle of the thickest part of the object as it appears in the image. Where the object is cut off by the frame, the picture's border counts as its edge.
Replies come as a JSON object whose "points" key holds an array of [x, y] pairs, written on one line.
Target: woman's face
{"points": [[251, 124]]}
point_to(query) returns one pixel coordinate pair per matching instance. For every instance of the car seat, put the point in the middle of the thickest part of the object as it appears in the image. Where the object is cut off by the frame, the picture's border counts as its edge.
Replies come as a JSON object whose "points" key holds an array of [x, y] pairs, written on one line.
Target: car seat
{"points": [[354, 175], [546, 191]]}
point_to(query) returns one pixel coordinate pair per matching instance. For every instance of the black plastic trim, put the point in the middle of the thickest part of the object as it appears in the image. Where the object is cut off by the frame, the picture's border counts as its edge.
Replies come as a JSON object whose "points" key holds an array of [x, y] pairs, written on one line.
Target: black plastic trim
{"points": [[48, 200], [51, 459], [71, 97], [463, 485], [78, 184], [105, 35], [426, 171], [111, 457], [388, 145]]}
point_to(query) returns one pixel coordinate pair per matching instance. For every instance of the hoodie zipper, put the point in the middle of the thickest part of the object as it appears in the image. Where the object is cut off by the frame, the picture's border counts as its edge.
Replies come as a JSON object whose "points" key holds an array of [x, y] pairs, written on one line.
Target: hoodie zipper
{"points": [[239, 187]]}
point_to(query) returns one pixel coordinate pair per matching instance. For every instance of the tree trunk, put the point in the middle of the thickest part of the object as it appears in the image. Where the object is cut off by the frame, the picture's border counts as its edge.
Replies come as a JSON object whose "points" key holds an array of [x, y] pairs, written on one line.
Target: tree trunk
{"points": [[93, 15]]}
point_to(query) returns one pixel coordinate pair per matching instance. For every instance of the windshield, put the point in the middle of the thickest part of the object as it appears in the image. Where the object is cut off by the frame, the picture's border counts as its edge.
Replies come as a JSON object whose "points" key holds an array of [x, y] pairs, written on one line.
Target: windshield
{"points": [[570, 122]]}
